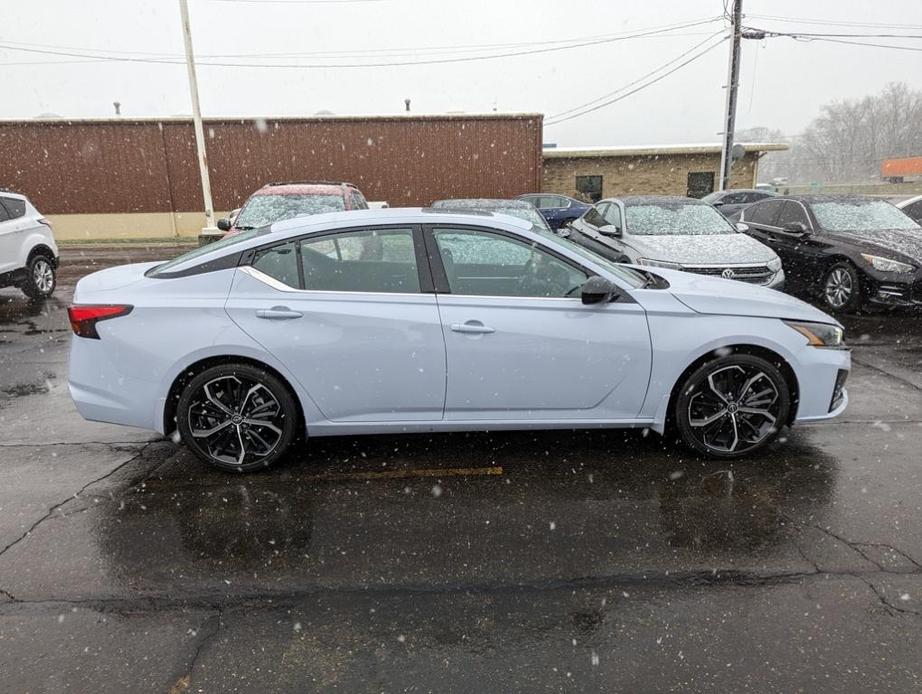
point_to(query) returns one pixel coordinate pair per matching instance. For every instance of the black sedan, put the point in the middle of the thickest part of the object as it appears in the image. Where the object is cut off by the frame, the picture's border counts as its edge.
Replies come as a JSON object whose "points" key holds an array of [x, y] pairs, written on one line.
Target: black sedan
{"points": [[731, 202], [848, 250]]}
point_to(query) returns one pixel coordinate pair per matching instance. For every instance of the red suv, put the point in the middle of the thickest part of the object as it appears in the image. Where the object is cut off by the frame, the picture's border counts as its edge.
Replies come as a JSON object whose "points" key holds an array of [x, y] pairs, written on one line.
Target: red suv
{"points": [[277, 201]]}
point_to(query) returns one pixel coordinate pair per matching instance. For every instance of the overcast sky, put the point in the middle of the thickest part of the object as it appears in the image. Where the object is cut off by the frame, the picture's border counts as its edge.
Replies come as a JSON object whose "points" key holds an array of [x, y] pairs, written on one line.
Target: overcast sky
{"points": [[783, 82]]}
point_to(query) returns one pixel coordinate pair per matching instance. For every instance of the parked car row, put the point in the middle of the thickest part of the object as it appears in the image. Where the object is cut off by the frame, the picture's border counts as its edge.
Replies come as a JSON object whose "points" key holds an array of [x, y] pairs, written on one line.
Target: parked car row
{"points": [[28, 253]]}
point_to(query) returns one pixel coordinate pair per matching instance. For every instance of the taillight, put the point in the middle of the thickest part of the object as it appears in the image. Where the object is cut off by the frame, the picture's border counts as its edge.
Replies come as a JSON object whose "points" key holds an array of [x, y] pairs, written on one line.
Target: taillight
{"points": [[42, 220], [83, 319]]}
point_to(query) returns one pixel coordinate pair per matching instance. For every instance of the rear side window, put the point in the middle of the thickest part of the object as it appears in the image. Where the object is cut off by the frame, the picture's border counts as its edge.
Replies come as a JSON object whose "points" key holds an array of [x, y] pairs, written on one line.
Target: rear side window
{"points": [[15, 208], [379, 260], [279, 262]]}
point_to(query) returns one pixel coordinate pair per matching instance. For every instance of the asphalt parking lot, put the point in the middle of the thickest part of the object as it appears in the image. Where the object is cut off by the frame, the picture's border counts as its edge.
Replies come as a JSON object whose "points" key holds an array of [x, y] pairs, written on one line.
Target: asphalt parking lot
{"points": [[575, 561]]}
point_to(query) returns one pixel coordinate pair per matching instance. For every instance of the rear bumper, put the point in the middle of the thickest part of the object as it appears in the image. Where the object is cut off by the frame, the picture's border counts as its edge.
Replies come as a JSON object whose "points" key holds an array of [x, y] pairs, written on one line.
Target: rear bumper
{"points": [[102, 393]]}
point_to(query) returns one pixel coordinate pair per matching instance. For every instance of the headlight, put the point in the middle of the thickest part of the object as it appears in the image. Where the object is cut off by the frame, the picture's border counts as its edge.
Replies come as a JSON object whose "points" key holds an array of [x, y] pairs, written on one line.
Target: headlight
{"points": [[659, 263], [819, 334], [886, 264], [774, 264]]}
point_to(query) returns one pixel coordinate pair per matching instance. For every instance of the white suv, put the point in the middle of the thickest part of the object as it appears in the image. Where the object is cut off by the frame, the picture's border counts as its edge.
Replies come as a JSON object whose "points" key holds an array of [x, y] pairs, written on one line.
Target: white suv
{"points": [[28, 253]]}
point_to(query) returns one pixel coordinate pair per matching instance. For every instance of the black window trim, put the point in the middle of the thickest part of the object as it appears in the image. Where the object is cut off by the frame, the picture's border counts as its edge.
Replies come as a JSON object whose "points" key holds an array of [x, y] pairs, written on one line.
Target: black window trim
{"points": [[440, 277]]}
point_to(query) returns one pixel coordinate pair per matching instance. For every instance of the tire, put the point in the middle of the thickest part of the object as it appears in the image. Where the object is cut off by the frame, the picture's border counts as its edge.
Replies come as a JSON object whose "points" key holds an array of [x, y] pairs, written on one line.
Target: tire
{"points": [[251, 413], [732, 406], [42, 278], [841, 290]]}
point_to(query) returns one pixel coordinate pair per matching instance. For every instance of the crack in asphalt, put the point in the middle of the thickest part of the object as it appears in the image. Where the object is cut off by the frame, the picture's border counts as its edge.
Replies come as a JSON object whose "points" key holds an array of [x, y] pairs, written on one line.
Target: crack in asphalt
{"points": [[206, 633], [110, 444], [887, 373], [50, 512], [272, 599], [889, 606]]}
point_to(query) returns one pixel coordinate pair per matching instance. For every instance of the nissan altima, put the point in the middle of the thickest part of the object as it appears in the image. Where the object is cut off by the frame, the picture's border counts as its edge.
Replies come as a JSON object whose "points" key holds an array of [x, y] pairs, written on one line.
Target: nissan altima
{"points": [[409, 320]]}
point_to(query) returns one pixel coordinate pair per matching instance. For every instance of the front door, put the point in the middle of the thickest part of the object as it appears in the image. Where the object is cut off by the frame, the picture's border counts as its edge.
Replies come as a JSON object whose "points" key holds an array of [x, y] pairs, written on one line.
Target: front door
{"points": [[345, 313], [521, 345]]}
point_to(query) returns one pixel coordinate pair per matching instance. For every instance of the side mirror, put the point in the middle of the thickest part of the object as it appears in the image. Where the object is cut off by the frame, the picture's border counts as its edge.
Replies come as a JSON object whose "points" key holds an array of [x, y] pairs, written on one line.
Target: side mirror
{"points": [[224, 224], [598, 290], [718, 203], [795, 228], [610, 230], [742, 228]]}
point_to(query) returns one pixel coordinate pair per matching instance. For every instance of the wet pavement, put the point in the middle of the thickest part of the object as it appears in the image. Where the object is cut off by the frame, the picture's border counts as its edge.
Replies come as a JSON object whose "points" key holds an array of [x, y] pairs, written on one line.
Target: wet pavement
{"points": [[559, 561]]}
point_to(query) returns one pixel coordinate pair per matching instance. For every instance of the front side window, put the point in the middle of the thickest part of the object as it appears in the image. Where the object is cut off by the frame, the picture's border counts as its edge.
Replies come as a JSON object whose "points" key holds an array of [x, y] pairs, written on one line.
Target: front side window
{"points": [[268, 209], [358, 201], [793, 213], [763, 212], [613, 215], [665, 219], [373, 260], [861, 215], [482, 263], [594, 216]]}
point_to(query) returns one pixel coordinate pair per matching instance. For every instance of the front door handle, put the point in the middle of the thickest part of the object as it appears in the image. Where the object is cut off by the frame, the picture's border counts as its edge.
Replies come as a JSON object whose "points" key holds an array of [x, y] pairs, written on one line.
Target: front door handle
{"points": [[472, 327], [277, 313]]}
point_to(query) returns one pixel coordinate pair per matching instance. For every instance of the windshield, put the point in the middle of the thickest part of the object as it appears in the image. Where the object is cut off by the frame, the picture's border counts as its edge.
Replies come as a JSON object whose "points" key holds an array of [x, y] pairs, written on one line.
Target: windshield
{"points": [[229, 240], [266, 209], [861, 215], [675, 219], [514, 208], [629, 275], [529, 214]]}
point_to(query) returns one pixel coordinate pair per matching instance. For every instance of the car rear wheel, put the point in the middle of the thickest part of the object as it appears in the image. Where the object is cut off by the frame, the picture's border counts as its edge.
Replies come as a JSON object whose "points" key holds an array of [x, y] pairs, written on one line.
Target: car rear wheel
{"points": [[237, 417], [732, 406], [41, 278], [842, 288]]}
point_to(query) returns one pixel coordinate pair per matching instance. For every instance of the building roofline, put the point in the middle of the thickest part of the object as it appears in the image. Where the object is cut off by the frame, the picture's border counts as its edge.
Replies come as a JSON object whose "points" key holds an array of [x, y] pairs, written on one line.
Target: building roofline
{"points": [[286, 119], [647, 150]]}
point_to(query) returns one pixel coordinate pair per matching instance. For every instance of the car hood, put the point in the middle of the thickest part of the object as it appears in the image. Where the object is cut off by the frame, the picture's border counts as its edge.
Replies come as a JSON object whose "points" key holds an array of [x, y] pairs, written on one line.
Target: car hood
{"points": [[717, 296], [906, 242], [699, 249]]}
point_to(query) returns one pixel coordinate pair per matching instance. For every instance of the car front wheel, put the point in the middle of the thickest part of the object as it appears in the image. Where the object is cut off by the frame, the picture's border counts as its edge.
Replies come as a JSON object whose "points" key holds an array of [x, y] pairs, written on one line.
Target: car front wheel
{"points": [[41, 278], [732, 406], [842, 288], [237, 417]]}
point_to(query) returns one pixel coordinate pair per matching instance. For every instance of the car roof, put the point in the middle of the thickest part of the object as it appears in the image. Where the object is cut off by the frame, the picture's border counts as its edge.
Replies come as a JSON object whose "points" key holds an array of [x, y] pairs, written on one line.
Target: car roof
{"points": [[303, 188], [481, 204], [333, 221], [631, 200], [909, 201], [6, 192], [810, 198]]}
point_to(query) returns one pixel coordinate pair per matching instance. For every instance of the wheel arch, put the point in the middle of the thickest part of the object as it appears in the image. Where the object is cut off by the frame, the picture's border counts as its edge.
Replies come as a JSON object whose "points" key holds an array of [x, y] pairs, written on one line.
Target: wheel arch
{"points": [[769, 355], [183, 378], [41, 249]]}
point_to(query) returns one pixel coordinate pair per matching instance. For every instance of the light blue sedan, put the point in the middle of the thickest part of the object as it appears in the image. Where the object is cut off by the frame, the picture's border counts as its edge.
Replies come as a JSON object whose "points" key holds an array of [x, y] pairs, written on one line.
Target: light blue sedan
{"points": [[414, 320]]}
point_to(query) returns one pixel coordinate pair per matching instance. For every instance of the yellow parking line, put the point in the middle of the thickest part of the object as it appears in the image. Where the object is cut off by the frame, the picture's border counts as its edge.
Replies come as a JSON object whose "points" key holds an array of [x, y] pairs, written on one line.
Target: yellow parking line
{"points": [[403, 474]]}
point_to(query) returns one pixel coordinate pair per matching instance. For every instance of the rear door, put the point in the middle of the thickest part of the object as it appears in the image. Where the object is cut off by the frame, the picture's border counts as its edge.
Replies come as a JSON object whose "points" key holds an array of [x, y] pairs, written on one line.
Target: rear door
{"points": [[521, 345], [13, 225], [352, 315]]}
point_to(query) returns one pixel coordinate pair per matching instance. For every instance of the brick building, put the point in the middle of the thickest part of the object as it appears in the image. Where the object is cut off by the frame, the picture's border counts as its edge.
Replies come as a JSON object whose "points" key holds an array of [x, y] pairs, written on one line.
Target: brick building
{"points": [[601, 172]]}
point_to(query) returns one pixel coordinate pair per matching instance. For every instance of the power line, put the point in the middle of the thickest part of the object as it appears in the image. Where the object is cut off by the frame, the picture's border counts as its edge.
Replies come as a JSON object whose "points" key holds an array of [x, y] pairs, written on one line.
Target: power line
{"points": [[373, 51], [828, 22], [637, 89], [753, 33], [432, 61], [620, 89]]}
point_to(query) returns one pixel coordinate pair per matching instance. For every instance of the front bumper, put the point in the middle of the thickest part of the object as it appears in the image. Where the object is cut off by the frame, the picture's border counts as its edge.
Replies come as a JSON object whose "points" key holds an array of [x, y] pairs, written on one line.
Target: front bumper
{"points": [[819, 379]]}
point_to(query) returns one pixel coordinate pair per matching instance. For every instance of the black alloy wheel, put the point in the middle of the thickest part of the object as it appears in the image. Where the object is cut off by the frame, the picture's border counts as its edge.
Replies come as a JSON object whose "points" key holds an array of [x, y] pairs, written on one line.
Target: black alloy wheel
{"points": [[237, 417], [732, 406]]}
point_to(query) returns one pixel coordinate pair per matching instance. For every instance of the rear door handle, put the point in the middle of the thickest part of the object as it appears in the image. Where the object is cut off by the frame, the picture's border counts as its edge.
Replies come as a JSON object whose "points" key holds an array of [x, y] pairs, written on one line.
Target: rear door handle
{"points": [[277, 313], [472, 327]]}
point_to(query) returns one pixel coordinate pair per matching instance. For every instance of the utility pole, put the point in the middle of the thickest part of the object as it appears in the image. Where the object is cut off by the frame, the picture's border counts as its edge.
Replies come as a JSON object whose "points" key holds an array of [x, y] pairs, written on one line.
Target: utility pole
{"points": [[197, 121], [733, 74]]}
